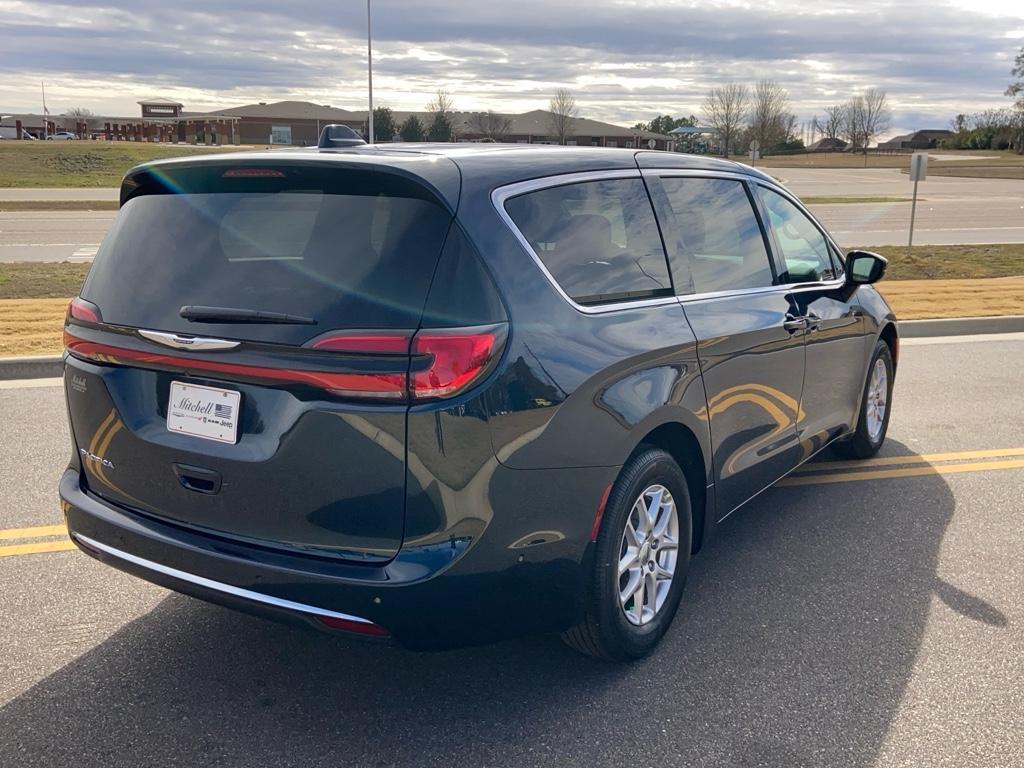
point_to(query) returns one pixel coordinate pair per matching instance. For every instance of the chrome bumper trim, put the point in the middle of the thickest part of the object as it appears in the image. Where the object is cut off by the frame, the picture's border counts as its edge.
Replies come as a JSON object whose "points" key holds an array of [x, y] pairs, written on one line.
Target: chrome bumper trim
{"points": [[227, 589]]}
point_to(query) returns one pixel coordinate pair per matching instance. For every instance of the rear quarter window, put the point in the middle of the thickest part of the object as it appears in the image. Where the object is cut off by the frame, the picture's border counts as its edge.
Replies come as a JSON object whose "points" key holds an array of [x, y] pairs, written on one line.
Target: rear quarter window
{"points": [[598, 239]]}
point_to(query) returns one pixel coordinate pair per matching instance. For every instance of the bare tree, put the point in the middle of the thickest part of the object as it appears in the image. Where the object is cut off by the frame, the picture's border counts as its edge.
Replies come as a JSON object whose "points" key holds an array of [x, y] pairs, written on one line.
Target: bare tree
{"points": [[875, 117], [490, 125], [725, 109], [831, 125], [442, 103], [79, 112], [771, 122], [1015, 90], [563, 111], [441, 108]]}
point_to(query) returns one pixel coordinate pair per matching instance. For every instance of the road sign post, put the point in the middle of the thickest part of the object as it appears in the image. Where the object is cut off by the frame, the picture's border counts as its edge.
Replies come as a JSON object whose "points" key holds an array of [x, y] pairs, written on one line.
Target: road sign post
{"points": [[918, 172], [755, 155]]}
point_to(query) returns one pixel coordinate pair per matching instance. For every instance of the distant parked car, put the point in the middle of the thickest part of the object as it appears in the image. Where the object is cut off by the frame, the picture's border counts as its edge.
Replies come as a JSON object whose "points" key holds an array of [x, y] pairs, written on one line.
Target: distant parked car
{"points": [[62, 136], [451, 394]]}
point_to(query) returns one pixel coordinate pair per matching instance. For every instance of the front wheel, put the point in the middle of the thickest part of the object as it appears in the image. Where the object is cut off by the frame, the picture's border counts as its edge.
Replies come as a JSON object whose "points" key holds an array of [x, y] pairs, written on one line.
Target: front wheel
{"points": [[642, 556], [875, 407]]}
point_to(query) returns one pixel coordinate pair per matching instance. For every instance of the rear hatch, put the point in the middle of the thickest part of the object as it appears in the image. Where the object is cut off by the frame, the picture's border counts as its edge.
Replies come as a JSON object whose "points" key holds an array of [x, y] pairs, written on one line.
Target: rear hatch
{"points": [[245, 348]]}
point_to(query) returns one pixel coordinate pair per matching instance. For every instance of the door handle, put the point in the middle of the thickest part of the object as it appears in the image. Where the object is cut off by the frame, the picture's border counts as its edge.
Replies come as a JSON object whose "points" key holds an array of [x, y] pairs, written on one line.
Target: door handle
{"points": [[813, 321], [794, 324]]}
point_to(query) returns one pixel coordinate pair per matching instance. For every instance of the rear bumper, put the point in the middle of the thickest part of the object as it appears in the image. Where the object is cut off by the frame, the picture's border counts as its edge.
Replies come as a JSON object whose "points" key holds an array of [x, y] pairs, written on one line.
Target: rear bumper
{"points": [[453, 593]]}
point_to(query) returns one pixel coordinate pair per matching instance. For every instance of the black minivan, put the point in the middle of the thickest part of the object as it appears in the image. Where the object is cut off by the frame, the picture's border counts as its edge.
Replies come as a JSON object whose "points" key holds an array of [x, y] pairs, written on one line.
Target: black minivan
{"points": [[448, 394]]}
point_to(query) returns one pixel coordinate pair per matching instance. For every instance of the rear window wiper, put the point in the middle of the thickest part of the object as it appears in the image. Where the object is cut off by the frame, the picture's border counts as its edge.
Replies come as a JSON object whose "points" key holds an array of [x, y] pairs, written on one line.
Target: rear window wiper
{"points": [[235, 315]]}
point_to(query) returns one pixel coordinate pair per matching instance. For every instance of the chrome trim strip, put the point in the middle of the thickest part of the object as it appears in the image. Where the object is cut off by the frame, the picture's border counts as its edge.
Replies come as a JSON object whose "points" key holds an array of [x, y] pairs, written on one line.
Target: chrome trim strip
{"points": [[191, 343], [217, 586]]}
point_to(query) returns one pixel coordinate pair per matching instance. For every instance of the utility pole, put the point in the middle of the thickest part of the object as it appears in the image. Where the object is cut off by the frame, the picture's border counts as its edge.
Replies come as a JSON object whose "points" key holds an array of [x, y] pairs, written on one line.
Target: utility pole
{"points": [[369, 71]]}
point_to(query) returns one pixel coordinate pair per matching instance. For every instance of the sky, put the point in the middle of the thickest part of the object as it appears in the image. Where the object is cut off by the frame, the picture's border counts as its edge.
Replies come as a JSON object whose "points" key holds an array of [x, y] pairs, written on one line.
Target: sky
{"points": [[624, 60]]}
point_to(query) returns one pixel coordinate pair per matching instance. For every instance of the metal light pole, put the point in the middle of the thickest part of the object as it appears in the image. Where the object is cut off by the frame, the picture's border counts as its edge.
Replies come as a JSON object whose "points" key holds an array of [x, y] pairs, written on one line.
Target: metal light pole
{"points": [[369, 70]]}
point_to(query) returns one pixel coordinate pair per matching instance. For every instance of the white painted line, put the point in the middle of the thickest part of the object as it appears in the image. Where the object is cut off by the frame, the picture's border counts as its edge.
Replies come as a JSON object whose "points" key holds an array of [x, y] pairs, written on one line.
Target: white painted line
{"points": [[84, 254], [46, 245], [918, 230], [967, 338], [30, 383]]}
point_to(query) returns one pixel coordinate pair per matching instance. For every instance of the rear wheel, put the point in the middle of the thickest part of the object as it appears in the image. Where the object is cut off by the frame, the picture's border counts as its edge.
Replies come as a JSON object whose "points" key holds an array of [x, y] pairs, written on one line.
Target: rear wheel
{"points": [[641, 560], [873, 421]]}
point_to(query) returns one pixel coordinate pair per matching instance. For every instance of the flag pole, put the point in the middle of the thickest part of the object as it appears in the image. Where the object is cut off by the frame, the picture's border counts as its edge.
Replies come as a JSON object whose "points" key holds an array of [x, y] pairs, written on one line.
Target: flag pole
{"points": [[46, 123]]}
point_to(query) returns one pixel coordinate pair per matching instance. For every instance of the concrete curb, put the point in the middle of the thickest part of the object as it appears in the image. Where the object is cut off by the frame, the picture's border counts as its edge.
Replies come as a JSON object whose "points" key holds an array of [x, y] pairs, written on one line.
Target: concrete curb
{"points": [[960, 326], [31, 367], [42, 367]]}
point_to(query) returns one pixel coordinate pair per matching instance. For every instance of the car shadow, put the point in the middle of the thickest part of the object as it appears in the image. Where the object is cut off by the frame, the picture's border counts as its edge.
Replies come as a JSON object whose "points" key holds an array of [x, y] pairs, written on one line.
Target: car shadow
{"points": [[797, 637]]}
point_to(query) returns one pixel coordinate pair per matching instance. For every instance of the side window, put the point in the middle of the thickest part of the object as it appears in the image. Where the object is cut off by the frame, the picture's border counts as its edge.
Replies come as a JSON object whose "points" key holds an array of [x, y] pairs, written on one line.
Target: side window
{"points": [[598, 239], [720, 240], [805, 251]]}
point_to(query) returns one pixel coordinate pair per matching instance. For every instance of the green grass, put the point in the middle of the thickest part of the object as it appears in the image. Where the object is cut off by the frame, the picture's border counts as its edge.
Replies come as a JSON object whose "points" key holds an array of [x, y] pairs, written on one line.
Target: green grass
{"points": [[41, 280], [826, 200], [981, 163], [944, 262], [58, 205], [82, 163]]}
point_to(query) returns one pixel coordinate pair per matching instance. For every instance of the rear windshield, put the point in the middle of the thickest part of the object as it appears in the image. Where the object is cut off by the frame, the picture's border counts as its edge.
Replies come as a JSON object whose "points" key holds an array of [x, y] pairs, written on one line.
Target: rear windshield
{"points": [[350, 249]]}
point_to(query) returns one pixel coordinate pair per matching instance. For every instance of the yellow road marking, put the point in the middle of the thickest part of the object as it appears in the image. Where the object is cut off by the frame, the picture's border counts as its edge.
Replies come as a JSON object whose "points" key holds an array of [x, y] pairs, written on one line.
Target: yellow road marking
{"points": [[28, 533], [927, 458], [880, 474], [37, 547]]}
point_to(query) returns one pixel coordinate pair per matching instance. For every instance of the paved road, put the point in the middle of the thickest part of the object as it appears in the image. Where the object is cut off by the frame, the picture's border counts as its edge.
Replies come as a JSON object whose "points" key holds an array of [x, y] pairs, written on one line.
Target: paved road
{"points": [[874, 622], [52, 235], [951, 211], [8, 194]]}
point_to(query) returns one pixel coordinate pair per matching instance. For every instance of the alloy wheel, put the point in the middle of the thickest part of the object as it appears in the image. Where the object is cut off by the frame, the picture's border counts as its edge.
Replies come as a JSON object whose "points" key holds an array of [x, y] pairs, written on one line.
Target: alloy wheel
{"points": [[648, 554], [877, 400]]}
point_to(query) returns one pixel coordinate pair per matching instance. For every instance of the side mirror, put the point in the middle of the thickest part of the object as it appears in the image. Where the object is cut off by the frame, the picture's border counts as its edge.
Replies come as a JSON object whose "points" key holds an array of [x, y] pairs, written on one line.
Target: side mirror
{"points": [[864, 267]]}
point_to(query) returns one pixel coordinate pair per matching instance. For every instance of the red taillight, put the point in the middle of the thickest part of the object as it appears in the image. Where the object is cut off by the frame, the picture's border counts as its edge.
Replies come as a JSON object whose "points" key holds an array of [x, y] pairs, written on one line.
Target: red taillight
{"points": [[80, 309], [444, 362], [457, 358], [371, 385], [252, 173], [441, 363], [367, 342], [350, 625]]}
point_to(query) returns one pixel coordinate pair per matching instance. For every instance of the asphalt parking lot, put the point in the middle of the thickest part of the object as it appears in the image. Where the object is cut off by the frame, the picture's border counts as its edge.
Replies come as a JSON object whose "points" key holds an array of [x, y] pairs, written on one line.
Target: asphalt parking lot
{"points": [[855, 616]]}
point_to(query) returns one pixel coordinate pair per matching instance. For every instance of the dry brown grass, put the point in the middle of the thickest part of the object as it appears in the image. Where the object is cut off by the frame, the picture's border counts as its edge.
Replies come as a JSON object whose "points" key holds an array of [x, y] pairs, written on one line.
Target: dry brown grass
{"points": [[921, 299], [31, 326]]}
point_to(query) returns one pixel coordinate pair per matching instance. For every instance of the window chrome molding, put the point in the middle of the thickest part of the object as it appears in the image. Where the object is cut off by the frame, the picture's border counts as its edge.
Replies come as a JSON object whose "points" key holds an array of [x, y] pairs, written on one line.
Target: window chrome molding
{"points": [[502, 194], [217, 586]]}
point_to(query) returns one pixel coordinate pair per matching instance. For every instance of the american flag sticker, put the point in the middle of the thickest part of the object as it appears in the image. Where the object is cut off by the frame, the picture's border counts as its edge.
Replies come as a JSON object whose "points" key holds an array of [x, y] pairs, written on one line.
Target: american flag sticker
{"points": [[222, 411]]}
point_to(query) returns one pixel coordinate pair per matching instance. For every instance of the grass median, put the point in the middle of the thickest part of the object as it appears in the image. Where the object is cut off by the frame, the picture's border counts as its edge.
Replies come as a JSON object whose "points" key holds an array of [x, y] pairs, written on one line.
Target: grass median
{"points": [[933, 281], [83, 163]]}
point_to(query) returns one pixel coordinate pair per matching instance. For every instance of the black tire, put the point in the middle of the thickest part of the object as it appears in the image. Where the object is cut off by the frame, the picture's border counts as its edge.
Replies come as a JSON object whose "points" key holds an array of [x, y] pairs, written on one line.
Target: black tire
{"points": [[605, 632], [861, 444]]}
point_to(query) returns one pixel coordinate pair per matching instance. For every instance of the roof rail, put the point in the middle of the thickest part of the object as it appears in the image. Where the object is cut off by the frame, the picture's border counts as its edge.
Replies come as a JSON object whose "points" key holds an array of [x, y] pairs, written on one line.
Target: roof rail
{"points": [[336, 135]]}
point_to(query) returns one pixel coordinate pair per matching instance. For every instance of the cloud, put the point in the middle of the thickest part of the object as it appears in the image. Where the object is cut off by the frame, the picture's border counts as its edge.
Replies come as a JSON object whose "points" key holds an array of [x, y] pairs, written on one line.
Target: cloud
{"points": [[624, 59]]}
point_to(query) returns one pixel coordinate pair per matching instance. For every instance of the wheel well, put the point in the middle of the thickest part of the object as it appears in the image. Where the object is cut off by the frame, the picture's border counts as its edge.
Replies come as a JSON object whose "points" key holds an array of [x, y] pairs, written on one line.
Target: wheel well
{"points": [[892, 340], [681, 444]]}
